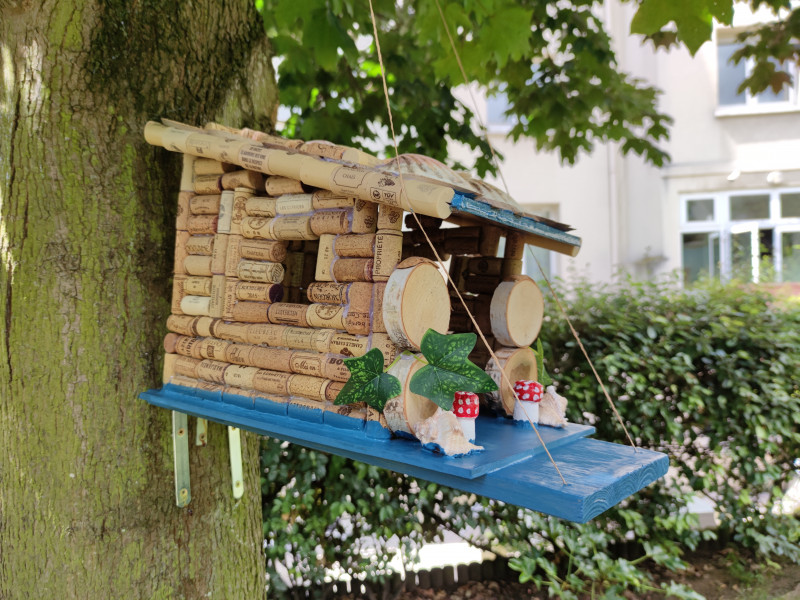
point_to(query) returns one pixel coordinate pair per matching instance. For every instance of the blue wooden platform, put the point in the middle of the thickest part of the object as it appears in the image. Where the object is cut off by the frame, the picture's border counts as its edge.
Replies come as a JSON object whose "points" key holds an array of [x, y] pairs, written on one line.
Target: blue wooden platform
{"points": [[513, 467]]}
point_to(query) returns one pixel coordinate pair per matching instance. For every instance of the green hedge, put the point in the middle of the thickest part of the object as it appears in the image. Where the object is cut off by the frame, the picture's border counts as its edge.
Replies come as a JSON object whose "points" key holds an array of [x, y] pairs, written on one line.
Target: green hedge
{"points": [[709, 375]]}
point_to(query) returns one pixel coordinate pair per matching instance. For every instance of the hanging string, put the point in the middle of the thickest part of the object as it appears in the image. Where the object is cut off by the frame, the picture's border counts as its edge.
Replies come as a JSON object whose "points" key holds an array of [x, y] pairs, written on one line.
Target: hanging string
{"points": [[439, 260], [544, 275]]}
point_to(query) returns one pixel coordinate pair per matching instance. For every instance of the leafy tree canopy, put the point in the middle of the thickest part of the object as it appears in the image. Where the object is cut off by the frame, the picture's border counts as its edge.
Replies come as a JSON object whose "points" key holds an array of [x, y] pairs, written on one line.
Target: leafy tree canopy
{"points": [[553, 60]]}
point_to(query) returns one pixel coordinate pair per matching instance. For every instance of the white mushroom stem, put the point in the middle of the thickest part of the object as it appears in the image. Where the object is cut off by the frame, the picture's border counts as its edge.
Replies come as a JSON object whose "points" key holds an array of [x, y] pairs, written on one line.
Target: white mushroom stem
{"points": [[468, 427], [526, 411]]}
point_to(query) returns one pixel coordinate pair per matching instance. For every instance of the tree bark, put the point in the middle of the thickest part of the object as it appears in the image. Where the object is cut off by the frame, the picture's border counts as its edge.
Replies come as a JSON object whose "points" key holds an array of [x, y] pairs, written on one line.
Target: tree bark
{"points": [[87, 211]]}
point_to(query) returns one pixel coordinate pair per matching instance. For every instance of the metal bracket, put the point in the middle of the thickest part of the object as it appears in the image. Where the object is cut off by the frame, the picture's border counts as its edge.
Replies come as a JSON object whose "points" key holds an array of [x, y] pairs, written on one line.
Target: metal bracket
{"points": [[180, 448], [201, 435]]}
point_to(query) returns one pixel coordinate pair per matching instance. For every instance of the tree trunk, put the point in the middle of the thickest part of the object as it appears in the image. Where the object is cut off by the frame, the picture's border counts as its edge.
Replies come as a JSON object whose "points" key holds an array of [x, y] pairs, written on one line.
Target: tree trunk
{"points": [[87, 211]]}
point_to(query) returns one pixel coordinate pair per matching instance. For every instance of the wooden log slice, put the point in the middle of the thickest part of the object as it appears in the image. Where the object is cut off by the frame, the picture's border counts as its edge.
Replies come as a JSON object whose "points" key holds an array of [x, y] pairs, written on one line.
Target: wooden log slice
{"points": [[405, 411], [517, 364], [415, 300], [517, 311]]}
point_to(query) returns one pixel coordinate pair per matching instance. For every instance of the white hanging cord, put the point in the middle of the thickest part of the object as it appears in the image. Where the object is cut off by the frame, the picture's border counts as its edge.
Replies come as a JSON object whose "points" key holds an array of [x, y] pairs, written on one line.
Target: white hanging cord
{"points": [[439, 260]]}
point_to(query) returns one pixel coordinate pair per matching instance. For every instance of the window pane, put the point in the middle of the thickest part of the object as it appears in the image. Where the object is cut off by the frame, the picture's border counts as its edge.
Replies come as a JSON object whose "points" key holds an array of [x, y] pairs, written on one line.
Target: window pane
{"points": [[700, 256], [744, 208], [496, 106], [700, 210], [790, 243], [730, 75], [790, 205]]}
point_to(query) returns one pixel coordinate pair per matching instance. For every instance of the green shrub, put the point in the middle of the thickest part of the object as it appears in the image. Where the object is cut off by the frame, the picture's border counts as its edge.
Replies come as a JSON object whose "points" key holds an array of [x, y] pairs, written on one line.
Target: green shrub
{"points": [[709, 375]]}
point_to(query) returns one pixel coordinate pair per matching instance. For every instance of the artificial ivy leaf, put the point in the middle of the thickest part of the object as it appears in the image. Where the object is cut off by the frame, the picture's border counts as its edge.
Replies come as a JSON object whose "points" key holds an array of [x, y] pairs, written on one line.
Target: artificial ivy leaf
{"points": [[544, 378], [368, 383], [449, 370]]}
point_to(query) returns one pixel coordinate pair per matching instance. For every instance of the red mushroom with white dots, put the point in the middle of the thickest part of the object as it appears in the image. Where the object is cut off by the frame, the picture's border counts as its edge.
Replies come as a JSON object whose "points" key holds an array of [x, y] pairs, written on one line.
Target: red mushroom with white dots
{"points": [[465, 408], [529, 395]]}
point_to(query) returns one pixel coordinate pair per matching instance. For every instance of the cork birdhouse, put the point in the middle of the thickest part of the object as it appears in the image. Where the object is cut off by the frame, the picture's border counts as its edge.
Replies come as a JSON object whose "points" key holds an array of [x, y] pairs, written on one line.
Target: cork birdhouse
{"points": [[292, 258]]}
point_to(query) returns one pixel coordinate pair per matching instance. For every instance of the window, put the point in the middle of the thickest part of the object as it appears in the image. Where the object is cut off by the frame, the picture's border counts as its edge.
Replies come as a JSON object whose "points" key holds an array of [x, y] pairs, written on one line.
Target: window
{"points": [[731, 76], [753, 235]]}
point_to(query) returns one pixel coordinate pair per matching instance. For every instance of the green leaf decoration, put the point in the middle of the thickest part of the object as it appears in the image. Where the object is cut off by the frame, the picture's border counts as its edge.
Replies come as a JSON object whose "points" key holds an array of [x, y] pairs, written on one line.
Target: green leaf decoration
{"points": [[449, 370], [368, 383], [544, 378]]}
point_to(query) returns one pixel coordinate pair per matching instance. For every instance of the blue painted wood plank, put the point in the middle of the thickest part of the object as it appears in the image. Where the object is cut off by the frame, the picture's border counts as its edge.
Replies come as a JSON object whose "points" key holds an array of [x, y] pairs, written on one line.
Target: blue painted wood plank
{"points": [[465, 204], [599, 474]]}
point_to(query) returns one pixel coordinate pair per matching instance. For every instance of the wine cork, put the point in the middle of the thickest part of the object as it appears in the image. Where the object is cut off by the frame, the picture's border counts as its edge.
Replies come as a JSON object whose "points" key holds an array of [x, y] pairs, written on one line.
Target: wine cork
{"points": [[200, 244], [288, 164], [292, 228], [259, 206], [181, 239], [490, 240], [352, 269], [359, 303], [225, 212], [217, 298], [285, 313], [265, 272], [355, 245], [332, 391], [302, 338], [184, 199], [211, 348], [294, 204], [242, 179], [378, 290], [204, 205], [259, 228], [207, 184], [212, 370], [182, 324], [230, 299], [322, 199], [251, 312], [515, 246], [271, 382], [309, 363], [235, 332], [186, 366], [168, 374], [197, 265], [178, 293], [240, 376], [384, 343], [188, 346], [390, 217], [485, 266], [239, 208], [388, 252], [202, 326], [269, 250], [170, 341], [195, 305], [331, 221], [274, 359], [201, 224], [511, 267], [233, 255], [307, 386], [277, 186], [325, 256], [326, 316], [349, 345], [328, 293], [258, 292], [365, 217], [219, 254], [209, 166]]}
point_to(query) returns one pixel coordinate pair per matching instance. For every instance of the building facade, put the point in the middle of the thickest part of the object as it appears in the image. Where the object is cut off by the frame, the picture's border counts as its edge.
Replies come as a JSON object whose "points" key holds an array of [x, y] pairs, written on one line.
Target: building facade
{"points": [[728, 203]]}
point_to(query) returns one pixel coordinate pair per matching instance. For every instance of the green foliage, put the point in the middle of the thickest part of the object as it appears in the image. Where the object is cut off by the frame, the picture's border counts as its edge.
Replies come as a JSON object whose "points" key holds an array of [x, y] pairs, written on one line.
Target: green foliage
{"points": [[553, 61], [449, 369], [543, 377], [693, 20], [709, 375], [368, 383]]}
